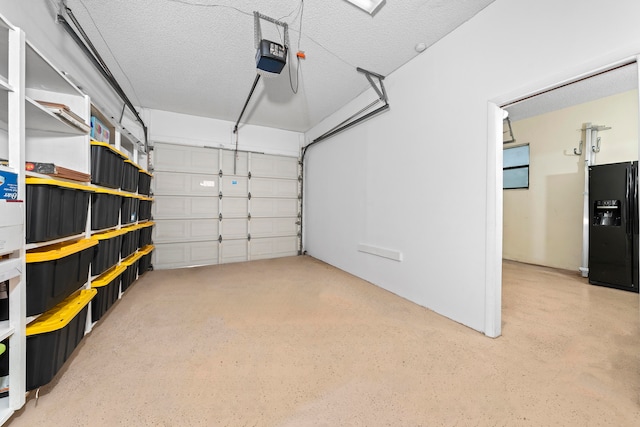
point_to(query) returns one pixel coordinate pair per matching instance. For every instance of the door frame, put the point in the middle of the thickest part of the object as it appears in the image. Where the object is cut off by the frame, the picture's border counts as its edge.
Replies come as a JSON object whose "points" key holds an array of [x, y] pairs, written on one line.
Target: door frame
{"points": [[494, 214]]}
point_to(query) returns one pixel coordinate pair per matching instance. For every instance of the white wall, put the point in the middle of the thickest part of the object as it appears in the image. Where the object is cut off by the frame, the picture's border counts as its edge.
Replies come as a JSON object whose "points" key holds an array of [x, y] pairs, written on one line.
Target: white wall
{"points": [[176, 128], [415, 179], [543, 224]]}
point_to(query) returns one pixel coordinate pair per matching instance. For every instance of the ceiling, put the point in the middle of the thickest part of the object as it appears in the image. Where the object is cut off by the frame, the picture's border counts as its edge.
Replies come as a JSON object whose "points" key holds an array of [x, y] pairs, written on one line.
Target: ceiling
{"points": [[198, 56]]}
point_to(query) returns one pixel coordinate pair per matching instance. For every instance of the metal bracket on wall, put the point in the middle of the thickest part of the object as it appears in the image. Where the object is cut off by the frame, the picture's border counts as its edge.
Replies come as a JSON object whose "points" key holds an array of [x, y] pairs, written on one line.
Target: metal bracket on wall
{"points": [[382, 94], [511, 138], [578, 151], [356, 118]]}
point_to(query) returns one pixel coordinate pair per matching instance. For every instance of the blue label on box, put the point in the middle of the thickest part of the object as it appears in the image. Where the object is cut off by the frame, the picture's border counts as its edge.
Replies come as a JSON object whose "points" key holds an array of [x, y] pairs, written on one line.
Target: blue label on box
{"points": [[8, 185]]}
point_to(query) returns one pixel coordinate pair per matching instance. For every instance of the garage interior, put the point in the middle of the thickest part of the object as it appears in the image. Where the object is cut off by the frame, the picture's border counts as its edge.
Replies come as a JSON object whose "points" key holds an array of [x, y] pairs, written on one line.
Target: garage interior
{"points": [[333, 245]]}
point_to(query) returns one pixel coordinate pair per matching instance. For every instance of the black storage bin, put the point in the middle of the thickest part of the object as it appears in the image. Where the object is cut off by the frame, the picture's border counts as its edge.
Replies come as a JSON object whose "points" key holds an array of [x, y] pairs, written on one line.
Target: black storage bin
{"points": [[130, 176], [107, 165], [107, 252], [146, 230], [55, 209], [145, 260], [108, 288], [131, 273], [52, 337], [129, 209], [4, 300], [130, 241], [55, 271], [144, 182], [144, 209], [105, 209]]}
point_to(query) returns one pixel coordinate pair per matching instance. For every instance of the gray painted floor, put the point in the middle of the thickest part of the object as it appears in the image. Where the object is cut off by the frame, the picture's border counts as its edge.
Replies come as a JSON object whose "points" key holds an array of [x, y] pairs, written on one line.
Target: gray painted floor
{"points": [[295, 342]]}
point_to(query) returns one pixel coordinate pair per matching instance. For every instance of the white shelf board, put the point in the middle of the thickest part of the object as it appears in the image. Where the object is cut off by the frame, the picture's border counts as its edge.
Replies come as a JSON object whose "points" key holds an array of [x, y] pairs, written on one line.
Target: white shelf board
{"points": [[31, 318], [5, 412], [40, 118], [115, 227], [5, 330], [4, 84], [9, 268], [51, 242], [41, 74]]}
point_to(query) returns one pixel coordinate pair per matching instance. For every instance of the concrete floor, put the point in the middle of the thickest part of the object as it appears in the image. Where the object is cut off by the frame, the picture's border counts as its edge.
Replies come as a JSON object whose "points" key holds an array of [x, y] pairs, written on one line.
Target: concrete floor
{"points": [[295, 342]]}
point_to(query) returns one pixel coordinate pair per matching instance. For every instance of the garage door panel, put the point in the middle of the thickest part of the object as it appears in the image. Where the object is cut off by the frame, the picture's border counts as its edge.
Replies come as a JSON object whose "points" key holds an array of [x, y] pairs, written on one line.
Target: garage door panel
{"points": [[183, 184], [182, 230], [273, 227], [179, 158], [273, 187], [274, 247], [175, 207], [241, 164], [190, 216], [265, 165], [263, 207], [177, 255], [234, 207], [234, 228], [233, 251], [234, 186]]}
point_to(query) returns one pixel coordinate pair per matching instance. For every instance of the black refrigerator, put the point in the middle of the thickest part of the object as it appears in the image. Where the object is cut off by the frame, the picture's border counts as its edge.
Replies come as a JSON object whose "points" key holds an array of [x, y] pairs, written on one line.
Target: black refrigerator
{"points": [[613, 231]]}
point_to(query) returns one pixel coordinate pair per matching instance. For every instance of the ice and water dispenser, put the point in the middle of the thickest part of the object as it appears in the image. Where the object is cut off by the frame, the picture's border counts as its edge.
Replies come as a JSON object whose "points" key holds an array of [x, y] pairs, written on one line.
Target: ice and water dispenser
{"points": [[607, 213]]}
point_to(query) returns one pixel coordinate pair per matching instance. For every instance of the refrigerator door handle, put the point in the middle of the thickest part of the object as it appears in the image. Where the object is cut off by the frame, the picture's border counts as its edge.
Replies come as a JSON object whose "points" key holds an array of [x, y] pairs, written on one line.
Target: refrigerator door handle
{"points": [[629, 200]]}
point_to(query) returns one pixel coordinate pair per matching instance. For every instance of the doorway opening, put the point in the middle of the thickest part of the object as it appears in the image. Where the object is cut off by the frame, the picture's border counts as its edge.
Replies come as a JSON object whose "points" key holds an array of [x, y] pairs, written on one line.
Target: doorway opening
{"points": [[589, 121]]}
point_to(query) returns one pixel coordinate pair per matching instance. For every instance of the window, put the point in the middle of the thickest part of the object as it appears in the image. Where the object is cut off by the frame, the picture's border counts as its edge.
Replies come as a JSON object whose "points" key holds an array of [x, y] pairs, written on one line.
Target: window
{"points": [[515, 167]]}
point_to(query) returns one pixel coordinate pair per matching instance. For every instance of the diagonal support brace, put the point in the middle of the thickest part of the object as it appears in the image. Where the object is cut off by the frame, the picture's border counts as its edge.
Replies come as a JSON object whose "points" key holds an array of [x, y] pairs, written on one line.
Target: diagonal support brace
{"points": [[382, 93]]}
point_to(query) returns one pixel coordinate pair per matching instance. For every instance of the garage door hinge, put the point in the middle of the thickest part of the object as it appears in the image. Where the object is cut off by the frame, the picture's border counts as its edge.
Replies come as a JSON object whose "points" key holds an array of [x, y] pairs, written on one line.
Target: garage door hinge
{"points": [[249, 217], [249, 195], [220, 217], [300, 178], [220, 195], [220, 173], [299, 196], [220, 238], [249, 237], [249, 175]]}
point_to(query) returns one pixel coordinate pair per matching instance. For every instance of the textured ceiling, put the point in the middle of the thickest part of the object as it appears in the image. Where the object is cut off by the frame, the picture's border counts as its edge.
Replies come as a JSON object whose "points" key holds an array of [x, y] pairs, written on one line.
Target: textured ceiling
{"points": [[197, 56], [610, 83]]}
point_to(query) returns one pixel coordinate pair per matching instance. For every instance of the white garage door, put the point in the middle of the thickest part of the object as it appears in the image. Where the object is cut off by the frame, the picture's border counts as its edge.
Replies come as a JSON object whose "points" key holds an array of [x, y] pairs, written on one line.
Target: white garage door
{"points": [[212, 206]]}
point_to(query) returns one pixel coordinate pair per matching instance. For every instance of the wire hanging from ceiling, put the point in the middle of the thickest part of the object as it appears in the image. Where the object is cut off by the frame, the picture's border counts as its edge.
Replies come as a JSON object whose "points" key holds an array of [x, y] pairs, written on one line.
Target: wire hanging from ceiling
{"points": [[298, 64], [224, 6]]}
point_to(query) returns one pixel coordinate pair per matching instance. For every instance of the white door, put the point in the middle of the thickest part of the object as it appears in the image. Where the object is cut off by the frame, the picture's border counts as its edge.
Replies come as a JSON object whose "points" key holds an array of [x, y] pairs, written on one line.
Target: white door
{"points": [[218, 206]]}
